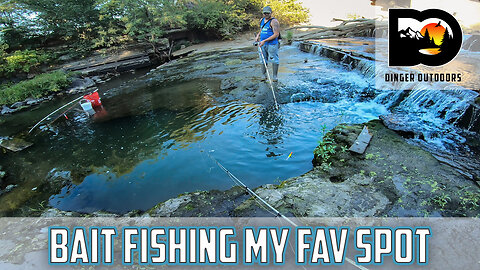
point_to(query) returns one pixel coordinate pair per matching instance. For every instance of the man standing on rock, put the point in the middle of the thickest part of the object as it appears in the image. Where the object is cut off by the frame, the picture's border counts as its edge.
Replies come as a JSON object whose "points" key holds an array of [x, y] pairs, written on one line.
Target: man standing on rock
{"points": [[268, 40]]}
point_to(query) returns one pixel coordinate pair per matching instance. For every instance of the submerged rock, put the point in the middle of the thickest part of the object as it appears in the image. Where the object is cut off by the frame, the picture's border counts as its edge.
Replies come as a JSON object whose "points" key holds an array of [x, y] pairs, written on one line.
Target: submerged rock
{"points": [[298, 97], [229, 84], [7, 189], [56, 180], [15, 144], [233, 62], [2, 174], [10, 188]]}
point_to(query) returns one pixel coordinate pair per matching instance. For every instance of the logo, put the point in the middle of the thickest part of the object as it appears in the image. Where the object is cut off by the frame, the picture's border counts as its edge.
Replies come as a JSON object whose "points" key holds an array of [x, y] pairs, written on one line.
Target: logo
{"points": [[431, 37]]}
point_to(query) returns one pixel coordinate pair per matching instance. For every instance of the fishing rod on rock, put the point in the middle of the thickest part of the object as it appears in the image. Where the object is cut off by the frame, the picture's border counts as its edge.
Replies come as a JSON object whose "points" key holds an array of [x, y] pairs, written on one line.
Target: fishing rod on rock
{"points": [[272, 209], [250, 191], [268, 74]]}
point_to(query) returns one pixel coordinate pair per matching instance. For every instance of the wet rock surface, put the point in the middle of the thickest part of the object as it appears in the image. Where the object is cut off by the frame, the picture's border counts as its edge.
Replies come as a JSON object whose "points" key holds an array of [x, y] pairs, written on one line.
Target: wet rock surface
{"points": [[212, 203], [472, 43], [56, 180], [7, 189], [7, 110]]}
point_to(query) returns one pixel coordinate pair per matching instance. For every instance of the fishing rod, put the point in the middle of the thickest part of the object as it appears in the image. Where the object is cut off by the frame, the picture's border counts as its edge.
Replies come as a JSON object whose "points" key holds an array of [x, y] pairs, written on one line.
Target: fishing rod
{"points": [[251, 192], [46, 117], [275, 211], [268, 75]]}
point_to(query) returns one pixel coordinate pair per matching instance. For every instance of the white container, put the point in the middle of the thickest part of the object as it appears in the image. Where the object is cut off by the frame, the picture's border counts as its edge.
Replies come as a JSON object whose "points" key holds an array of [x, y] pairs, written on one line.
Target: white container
{"points": [[87, 107]]}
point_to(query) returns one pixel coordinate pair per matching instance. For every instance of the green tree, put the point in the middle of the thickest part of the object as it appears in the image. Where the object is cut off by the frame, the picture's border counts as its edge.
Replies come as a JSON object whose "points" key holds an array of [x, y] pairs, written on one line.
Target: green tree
{"points": [[15, 26], [288, 12], [110, 29], [64, 19], [147, 20], [219, 19]]}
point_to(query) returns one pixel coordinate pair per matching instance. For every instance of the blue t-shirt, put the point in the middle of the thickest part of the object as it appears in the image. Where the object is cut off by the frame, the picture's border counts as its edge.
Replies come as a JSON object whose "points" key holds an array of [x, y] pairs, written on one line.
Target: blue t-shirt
{"points": [[267, 31]]}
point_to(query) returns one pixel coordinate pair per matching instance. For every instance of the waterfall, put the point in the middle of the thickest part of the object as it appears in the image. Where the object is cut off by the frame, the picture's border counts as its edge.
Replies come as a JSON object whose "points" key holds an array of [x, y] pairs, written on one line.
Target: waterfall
{"points": [[445, 105]]}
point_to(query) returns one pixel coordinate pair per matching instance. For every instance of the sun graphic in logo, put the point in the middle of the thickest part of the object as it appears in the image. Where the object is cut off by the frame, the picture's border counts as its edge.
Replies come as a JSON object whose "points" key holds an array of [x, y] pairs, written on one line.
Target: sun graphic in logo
{"points": [[434, 34]]}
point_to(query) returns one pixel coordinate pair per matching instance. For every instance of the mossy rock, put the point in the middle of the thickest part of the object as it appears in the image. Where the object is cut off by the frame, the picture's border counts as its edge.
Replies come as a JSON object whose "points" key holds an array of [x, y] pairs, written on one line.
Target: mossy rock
{"points": [[233, 62]]}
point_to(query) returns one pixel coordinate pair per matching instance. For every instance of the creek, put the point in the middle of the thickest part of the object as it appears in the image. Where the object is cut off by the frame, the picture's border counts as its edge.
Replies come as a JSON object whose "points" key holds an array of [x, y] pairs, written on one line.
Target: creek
{"points": [[150, 142]]}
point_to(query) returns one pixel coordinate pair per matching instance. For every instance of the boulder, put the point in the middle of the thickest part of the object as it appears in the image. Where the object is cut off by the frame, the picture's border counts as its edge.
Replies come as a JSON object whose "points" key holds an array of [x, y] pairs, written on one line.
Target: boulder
{"points": [[18, 104], [472, 43], [6, 110], [33, 101], [400, 125], [169, 207], [10, 188], [53, 212], [56, 180], [80, 85]]}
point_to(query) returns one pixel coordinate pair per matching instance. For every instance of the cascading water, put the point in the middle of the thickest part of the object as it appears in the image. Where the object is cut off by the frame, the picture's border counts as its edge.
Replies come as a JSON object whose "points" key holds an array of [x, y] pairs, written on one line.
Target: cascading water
{"points": [[431, 115]]}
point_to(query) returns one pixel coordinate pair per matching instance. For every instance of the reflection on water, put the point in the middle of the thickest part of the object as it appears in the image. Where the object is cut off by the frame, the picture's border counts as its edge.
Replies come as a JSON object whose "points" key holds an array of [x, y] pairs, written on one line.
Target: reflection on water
{"points": [[150, 143]]}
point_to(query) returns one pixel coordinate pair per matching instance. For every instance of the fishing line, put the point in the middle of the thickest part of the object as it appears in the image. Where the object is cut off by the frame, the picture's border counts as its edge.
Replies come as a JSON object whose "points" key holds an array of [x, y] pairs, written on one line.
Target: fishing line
{"points": [[251, 192], [268, 76], [266, 205], [46, 117]]}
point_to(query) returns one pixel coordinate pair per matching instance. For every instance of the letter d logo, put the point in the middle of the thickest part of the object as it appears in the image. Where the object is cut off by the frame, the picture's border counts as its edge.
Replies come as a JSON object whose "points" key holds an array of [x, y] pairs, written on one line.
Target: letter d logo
{"points": [[432, 37]]}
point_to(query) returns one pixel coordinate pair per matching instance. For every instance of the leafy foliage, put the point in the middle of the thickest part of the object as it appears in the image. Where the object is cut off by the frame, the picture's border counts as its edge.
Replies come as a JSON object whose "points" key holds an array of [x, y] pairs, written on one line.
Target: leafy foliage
{"points": [[216, 18], [325, 148], [21, 61], [103, 23], [65, 19], [15, 27], [37, 87], [288, 12], [148, 20], [110, 29]]}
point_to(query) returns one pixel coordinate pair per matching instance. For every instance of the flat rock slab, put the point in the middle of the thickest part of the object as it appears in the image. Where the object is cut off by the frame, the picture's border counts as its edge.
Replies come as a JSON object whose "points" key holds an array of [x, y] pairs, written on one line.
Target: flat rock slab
{"points": [[362, 141], [15, 144]]}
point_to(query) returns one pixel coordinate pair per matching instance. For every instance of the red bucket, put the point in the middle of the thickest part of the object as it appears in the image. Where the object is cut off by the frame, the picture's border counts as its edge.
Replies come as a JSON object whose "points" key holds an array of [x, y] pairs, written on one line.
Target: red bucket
{"points": [[94, 98]]}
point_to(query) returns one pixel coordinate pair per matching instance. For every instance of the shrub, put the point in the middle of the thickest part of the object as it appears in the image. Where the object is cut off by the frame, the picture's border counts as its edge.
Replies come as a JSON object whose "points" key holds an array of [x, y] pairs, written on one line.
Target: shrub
{"points": [[37, 87], [325, 149], [21, 61]]}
